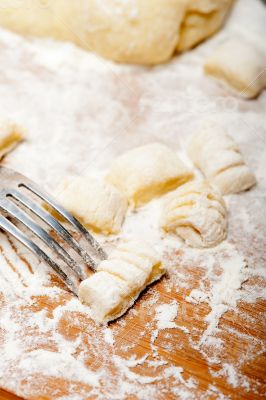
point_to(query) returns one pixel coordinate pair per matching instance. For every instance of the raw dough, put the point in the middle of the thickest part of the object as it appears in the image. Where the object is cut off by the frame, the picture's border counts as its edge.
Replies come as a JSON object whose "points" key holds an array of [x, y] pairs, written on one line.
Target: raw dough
{"points": [[216, 154], [95, 203], [148, 171], [135, 31], [201, 20], [197, 213], [10, 135], [240, 65], [120, 279]]}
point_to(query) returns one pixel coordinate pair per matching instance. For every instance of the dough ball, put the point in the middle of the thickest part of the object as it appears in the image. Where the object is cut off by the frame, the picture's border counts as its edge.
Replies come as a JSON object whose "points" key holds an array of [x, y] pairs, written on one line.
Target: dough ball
{"points": [[120, 279], [134, 31], [240, 65], [10, 135], [196, 212], [96, 204], [147, 171], [219, 158]]}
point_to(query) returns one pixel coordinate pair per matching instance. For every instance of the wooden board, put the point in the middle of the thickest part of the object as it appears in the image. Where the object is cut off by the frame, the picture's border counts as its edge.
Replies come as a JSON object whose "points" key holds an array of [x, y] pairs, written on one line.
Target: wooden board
{"points": [[172, 345], [86, 112], [4, 395]]}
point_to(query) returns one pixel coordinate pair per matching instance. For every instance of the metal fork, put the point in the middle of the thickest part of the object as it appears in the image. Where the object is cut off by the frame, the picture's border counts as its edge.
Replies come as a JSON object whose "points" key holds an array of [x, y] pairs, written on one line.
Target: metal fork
{"points": [[15, 196]]}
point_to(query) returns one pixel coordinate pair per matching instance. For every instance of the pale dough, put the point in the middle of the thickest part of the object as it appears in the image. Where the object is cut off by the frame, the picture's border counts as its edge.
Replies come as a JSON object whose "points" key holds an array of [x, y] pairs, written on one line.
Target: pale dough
{"points": [[147, 171], [219, 158], [10, 135], [202, 19], [240, 65], [197, 213], [135, 31], [120, 279], [96, 204]]}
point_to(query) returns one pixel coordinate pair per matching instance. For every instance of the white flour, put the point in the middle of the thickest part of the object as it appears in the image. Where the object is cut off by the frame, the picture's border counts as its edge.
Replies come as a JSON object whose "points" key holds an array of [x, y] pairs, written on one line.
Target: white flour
{"points": [[165, 315], [224, 292], [86, 111]]}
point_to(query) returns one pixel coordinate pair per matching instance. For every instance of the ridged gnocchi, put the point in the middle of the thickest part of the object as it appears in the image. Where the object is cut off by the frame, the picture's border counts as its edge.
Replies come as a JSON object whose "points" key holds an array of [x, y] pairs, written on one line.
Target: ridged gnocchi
{"points": [[95, 203], [120, 279], [147, 171], [217, 155], [197, 213]]}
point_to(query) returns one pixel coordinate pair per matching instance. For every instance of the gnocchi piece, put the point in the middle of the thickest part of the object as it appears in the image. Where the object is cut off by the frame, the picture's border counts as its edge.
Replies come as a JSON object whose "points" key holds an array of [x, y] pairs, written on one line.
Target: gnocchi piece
{"points": [[10, 135], [240, 65], [106, 294], [148, 171], [216, 154], [142, 255], [125, 271], [197, 213], [94, 203], [120, 279]]}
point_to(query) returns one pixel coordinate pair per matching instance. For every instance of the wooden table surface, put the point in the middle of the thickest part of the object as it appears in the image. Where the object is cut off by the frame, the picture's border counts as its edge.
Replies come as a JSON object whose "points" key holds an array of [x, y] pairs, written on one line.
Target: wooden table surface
{"points": [[86, 112], [4, 395], [174, 346]]}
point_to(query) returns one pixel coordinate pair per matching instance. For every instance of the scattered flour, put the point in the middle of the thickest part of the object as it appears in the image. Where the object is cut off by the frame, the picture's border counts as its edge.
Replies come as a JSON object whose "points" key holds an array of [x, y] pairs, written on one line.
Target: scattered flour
{"points": [[52, 363], [232, 377], [108, 336], [176, 373], [225, 288], [165, 315], [90, 111]]}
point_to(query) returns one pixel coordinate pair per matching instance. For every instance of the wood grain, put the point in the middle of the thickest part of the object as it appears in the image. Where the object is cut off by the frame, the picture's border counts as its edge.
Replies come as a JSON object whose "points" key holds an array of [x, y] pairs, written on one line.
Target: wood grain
{"points": [[4, 395], [105, 109], [172, 345]]}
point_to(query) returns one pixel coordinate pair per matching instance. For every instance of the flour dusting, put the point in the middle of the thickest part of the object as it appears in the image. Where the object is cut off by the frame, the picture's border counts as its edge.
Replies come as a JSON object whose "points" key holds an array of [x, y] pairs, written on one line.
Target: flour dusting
{"points": [[165, 315], [204, 318]]}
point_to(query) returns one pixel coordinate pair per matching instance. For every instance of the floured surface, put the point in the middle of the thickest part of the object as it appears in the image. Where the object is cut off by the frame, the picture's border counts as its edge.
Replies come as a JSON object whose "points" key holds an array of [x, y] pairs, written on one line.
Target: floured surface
{"points": [[199, 333]]}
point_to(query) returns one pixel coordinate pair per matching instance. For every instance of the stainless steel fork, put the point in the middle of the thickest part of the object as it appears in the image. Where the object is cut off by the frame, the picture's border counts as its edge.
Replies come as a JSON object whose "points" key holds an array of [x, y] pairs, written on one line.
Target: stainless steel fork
{"points": [[16, 198]]}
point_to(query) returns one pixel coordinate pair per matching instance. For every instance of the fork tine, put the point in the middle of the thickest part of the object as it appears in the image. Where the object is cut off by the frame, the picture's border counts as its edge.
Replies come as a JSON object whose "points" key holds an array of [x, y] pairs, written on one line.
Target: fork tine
{"points": [[69, 217], [54, 224], [20, 216], [17, 234]]}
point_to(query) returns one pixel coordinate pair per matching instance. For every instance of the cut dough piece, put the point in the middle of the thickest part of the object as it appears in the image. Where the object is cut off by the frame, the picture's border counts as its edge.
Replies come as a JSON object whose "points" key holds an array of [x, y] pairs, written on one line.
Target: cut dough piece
{"points": [[197, 213], [148, 171], [120, 279], [216, 154], [106, 294], [10, 135], [135, 31], [94, 203], [240, 65]]}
